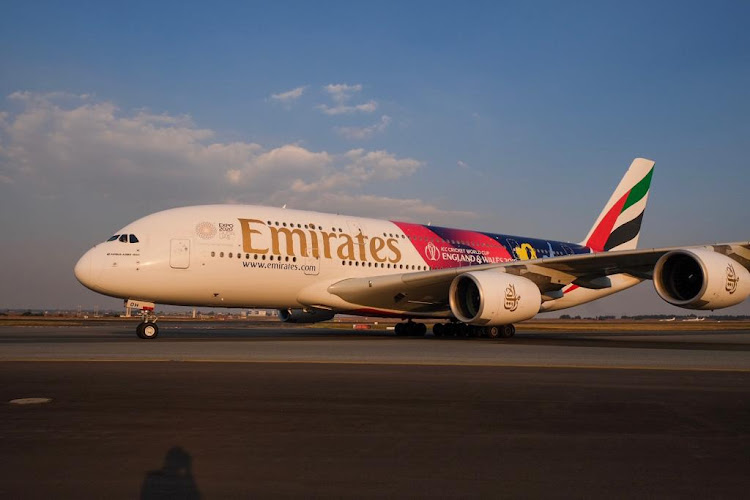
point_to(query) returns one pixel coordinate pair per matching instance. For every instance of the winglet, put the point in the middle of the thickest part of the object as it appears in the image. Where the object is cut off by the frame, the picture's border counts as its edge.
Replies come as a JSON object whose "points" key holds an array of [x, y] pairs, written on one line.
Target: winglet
{"points": [[619, 224]]}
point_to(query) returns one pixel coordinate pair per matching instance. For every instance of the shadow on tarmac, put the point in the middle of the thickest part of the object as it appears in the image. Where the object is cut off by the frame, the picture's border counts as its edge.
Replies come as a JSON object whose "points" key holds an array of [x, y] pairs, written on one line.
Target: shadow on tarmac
{"points": [[173, 480]]}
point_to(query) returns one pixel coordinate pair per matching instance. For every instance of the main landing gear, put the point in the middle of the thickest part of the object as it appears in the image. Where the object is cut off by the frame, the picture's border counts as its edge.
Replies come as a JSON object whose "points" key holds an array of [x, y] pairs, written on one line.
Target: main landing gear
{"points": [[411, 329], [464, 330], [147, 328]]}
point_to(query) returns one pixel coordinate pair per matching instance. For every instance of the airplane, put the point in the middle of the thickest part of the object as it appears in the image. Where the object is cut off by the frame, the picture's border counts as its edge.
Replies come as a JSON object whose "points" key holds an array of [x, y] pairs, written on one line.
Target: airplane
{"points": [[311, 266]]}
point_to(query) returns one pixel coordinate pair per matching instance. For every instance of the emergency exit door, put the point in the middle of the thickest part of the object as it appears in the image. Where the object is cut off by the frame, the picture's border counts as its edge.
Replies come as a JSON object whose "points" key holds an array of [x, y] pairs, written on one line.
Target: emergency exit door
{"points": [[179, 255]]}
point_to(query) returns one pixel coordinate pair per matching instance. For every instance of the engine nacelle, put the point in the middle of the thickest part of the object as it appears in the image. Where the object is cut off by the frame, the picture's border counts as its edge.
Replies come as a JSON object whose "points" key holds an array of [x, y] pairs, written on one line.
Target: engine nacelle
{"points": [[304, 316], [700, 279], [493, 298]]}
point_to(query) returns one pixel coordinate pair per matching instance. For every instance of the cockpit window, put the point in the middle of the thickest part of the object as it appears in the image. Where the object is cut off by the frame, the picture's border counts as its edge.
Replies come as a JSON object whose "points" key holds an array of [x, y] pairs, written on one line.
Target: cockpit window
{"points": [[133, 239], [113, 238], [124, 238]]}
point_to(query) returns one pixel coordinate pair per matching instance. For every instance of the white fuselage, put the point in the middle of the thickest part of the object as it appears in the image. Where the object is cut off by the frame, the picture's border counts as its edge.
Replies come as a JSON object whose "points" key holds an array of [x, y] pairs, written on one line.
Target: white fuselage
{"points": [[222, 255], [253, 256]]}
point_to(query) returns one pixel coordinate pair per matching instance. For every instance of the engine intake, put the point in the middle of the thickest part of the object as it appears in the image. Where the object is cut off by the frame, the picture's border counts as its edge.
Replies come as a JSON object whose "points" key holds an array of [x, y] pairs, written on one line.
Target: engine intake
{"points": [[700, 279], [305, 316], [493, 298]]}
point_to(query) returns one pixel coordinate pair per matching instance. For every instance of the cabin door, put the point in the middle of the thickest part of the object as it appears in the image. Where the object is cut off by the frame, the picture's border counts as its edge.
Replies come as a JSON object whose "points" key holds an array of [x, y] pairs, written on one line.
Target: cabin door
{"points": [[179, 254]]}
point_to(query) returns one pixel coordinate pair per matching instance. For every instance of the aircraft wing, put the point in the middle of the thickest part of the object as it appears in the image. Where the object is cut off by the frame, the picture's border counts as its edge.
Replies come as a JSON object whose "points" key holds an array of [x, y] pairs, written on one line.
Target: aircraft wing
{"points": [[426, 292]]}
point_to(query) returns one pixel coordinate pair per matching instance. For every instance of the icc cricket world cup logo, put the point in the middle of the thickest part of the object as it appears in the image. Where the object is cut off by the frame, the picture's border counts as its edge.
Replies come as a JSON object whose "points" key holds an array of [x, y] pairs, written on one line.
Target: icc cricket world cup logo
{"points": [[431, 252]]}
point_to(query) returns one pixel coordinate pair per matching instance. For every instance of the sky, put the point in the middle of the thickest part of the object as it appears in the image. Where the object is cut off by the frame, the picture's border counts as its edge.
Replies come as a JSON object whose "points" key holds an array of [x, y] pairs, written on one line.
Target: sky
{"points": [[514, 117]]}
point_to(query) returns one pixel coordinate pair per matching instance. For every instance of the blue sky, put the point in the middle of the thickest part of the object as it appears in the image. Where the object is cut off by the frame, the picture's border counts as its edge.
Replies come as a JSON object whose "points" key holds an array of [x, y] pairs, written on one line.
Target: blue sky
{"points": [[510, 117]]}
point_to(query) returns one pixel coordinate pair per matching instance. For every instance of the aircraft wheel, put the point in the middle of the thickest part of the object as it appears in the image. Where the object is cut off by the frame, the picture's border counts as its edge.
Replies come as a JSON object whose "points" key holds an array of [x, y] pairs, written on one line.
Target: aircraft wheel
{"points": [[148, 330], [463, 330], [492, 332], [438, 329], [421, 329], [450, 330], [508, 331]]}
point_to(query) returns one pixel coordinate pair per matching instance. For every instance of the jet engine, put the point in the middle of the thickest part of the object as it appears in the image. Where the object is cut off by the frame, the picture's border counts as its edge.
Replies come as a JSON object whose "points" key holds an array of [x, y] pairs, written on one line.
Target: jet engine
{"points": [[304, 315], [493, 298], [700, 279]]}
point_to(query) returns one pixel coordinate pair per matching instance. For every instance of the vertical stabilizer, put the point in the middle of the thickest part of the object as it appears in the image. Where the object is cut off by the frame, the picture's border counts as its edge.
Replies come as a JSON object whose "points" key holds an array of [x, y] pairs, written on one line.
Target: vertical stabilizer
{"points": [[619, 224]]}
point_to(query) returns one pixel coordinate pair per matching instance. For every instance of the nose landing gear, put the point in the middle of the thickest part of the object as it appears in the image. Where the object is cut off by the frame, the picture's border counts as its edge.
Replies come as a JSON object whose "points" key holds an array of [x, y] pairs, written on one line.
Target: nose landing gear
{"points": [[147, 328]]}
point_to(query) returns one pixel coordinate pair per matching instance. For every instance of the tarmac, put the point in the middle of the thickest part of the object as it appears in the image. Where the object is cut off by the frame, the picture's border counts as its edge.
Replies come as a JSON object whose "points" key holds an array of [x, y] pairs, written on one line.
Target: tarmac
{"points": [[210, 410]]}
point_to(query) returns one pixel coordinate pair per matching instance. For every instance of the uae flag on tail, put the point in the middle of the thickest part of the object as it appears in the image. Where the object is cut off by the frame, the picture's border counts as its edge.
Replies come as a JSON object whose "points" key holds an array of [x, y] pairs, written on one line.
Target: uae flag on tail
{"points": [[619, 224]]}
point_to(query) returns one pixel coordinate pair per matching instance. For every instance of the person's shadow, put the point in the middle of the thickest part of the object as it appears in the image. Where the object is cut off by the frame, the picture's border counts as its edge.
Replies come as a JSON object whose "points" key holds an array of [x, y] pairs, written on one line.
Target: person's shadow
{"points": [[173, 480]]}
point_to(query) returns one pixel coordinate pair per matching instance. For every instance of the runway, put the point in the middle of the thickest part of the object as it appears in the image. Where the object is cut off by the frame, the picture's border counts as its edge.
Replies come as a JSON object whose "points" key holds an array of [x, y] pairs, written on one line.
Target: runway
{"points": [[727, 349], [279, 412]]}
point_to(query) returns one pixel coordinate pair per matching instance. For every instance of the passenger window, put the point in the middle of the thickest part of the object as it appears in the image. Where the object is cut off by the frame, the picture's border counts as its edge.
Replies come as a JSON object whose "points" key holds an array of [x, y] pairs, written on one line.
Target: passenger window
{"points": [[133, 239], [124, 238], [113, 238]]}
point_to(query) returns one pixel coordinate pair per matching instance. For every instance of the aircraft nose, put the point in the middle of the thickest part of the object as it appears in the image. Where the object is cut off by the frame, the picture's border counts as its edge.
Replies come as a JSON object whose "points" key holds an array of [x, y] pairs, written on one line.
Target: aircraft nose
{"points": [[84, 270]]}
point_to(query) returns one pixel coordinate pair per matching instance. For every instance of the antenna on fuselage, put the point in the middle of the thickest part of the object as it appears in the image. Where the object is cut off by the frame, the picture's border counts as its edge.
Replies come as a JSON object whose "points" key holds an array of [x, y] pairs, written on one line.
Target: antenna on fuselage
{"points": [[284, 206]]}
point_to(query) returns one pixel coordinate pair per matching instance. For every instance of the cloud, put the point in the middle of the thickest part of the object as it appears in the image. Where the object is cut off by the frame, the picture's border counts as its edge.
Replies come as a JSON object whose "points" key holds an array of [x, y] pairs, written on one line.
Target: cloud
{"points": [[384, 207], [340, 94], [364, 132], [342, 109], [465, 167], [356, 168], [290, 95], [65, 146], [234, 175]]}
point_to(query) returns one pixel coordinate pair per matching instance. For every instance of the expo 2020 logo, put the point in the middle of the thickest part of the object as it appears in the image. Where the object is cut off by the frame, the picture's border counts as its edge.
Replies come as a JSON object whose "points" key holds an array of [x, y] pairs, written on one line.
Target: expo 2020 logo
{"points": [[205, 230]]}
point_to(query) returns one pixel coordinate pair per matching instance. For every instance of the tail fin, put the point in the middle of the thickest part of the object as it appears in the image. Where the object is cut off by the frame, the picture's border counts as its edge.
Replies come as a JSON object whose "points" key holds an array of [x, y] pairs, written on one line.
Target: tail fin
{"points": [[619, 224]]}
